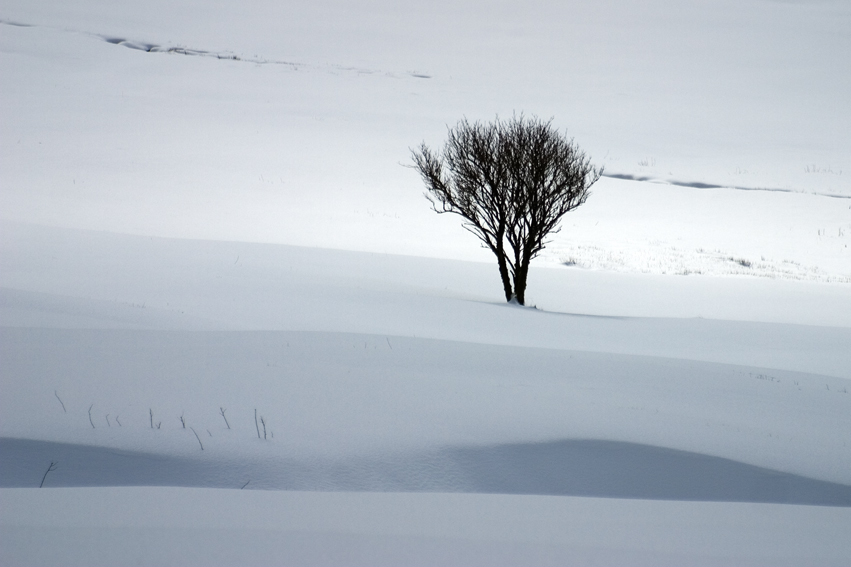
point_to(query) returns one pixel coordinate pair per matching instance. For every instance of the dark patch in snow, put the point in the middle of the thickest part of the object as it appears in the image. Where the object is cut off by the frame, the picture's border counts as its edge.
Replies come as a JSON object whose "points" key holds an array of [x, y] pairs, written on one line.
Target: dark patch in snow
{"points": [[571, 467], [84, 465], [154, 48], [16, 24], [222, 55], [131, 44], [701, 185], [630, 470]]}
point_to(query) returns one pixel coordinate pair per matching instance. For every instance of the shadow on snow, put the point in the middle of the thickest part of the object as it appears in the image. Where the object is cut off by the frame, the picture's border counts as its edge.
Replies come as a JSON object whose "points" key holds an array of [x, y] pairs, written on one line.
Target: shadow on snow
{"points": [[589, 468]]}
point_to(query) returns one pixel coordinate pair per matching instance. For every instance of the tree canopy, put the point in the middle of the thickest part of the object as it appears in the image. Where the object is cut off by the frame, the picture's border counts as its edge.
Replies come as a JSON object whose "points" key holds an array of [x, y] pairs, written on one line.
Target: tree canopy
{"points": [[511, 182]]}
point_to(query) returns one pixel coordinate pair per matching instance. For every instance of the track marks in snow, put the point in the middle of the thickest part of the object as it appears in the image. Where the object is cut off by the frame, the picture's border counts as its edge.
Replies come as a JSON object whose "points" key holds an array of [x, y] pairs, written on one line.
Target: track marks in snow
{"points": [[230, 56], [701, 185], [148, 47], [223, 55], [16, 24]]}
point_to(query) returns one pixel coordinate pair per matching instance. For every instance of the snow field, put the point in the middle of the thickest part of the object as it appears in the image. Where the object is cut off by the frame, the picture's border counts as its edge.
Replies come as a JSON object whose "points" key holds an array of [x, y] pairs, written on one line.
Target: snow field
{"points": [[311, 153], [179, 526], [206, 208], [356, 355]]}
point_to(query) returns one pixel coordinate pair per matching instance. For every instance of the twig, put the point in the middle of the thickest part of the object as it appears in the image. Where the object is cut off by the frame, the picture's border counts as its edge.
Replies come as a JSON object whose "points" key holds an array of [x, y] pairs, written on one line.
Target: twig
{"points": [[223, 410], [151, 411], [60, 401], [90, 416], [388, 343], [196, 437], [255, 423], [246, 484], [107, 420], [208, 433], [182, 421], [263, 421], [51, 468], [118, 422]]}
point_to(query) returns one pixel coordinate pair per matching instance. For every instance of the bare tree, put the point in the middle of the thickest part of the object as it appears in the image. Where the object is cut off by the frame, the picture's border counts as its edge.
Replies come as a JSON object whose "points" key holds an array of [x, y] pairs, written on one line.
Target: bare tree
{"points": [[511, 182]]}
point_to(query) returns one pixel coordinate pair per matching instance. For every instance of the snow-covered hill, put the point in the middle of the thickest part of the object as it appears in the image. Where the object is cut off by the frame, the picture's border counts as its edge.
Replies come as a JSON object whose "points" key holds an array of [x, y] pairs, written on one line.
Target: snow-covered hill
{"points": [[133, 361], [217, 273], [310, 152]]}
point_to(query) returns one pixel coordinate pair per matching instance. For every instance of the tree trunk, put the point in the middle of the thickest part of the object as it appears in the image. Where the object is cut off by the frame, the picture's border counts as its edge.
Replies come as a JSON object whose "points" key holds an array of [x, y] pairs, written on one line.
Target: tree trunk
{"points": [[520, 276], [520, 284], [503, 272]]}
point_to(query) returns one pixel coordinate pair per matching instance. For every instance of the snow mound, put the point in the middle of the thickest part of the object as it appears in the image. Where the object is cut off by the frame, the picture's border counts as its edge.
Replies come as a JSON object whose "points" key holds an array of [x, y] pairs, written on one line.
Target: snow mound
{"points": [[600, 469]]}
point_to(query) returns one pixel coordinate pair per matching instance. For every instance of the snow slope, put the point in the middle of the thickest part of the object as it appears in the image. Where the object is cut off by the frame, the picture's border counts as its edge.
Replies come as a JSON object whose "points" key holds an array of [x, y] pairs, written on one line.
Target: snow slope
{"points": [[306, 319], [207, 232], [310, 151], [367, 375], [170, 526]]}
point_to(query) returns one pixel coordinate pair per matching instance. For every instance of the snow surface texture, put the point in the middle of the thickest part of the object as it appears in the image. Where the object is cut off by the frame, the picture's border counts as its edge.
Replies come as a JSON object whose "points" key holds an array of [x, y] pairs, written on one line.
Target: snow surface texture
{"points": [[133, 361], [215, 273], [197, 527], [311, 151]]}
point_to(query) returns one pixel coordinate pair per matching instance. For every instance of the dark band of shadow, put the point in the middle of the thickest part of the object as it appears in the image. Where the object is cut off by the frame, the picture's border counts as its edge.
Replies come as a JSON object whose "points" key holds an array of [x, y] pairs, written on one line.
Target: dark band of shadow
{"points": [[629, 470], [606, 469]]}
